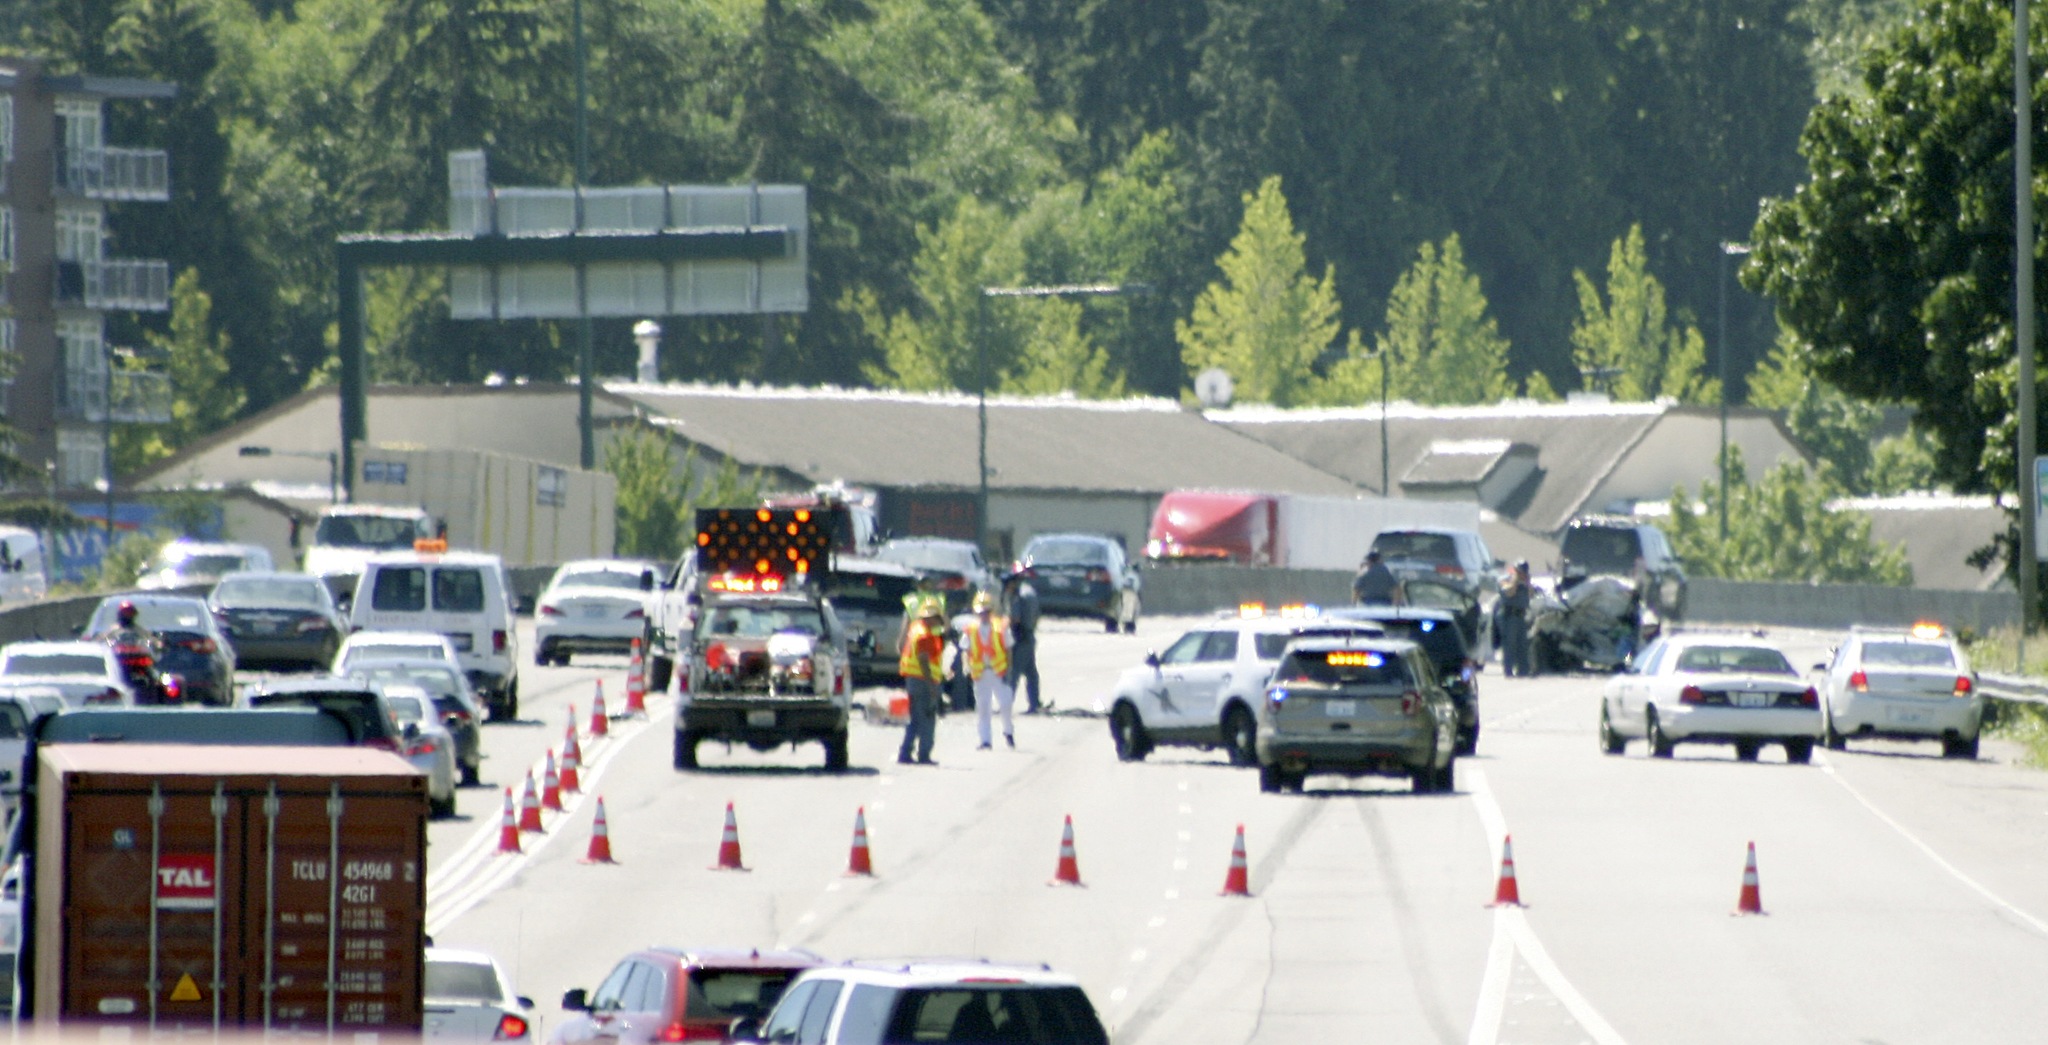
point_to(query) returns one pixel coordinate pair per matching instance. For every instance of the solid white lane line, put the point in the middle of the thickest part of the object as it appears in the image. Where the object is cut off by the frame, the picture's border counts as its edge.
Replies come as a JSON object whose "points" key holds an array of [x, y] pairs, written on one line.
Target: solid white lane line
{"points": [[1996, 900], [1511, 925]]}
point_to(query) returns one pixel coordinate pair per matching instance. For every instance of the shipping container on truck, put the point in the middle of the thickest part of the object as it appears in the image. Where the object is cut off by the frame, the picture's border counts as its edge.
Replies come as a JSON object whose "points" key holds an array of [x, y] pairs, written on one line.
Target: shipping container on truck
{"points": [[182, 889], [1277, 529], [524, 511]]}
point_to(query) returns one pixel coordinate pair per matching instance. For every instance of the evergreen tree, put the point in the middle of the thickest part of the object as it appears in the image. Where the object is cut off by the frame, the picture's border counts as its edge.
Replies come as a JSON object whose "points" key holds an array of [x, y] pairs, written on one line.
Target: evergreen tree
{"points": [[1780, 529], [1268, 321], [1626, 337], [205, 397], [1440, 346]]}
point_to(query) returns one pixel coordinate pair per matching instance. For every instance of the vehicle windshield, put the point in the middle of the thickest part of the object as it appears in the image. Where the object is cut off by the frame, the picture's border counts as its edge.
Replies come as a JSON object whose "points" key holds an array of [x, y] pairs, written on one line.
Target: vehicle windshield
{"points": [[269, 593], [1600, 549], [1754, 660], [929, 555], [462, 981], [54, 664], [1908, 655], [1062, 551], [435, 679], [986, 1014], [406, 708], [366, 531], [356, 706], [759, 622], [1341, 668], [728, 994], [599, 577], [1439, 638], [1418, 547], [207, 565], [432, 651]]}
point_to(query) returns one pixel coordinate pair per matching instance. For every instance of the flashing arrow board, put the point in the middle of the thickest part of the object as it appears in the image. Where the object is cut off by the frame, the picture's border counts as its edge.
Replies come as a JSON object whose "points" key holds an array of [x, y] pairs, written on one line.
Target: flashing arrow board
{"points": [[781, 542]]}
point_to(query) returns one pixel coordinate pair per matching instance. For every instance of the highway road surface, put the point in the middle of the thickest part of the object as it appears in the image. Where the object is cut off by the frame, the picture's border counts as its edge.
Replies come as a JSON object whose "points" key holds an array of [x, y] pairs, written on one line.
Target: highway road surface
{"points": [[1906, 897]]}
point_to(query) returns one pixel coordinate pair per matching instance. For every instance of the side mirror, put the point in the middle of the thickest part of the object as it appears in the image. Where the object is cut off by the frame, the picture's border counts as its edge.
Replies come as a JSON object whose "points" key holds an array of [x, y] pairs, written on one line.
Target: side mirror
{"points": [[1820, 667], [746, 1028], [576, 1000], [412, 731], [524, 1001], [646, 580], [1152, 659]]}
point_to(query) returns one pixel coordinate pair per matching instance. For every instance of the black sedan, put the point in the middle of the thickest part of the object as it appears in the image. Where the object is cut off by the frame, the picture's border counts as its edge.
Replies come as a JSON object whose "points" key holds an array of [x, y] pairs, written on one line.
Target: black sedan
{"points": [[278, 620], [190, 643], [1082, 575]]}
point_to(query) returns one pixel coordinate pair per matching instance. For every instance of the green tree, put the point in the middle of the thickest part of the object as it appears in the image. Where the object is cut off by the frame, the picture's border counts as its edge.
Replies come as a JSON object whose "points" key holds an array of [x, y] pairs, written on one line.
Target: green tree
{"points": [[1893, 262], [1903, 463], [1440, 345], [1780, 529], [657, 495], [1627, 335], [1838, 429], [1268, 321], [205, 398]]}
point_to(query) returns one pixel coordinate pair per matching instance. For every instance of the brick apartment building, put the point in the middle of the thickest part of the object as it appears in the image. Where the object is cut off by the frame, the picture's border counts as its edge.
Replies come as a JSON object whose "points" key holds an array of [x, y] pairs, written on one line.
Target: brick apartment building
{"points": [[65, 383]]}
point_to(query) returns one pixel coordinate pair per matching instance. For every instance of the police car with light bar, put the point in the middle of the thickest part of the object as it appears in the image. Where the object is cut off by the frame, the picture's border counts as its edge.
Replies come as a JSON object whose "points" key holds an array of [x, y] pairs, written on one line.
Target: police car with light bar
{"points": [[1905, 684], [1204, 689]]}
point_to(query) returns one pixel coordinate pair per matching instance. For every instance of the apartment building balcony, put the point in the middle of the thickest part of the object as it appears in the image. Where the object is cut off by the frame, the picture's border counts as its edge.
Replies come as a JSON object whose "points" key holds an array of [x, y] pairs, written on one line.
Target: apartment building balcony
{"points": [[114, 285], [104, 173], [138, 396]]}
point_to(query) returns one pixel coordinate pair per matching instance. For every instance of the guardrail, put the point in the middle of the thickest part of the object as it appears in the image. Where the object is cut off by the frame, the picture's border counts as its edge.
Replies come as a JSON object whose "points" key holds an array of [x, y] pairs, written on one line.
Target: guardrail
{"points": [[2018, 689]]}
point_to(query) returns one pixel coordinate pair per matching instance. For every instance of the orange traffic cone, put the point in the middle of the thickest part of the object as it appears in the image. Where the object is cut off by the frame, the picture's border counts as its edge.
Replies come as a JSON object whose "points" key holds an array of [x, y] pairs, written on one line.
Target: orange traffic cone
{"points": [[1751, 900], [529, 807], [636, 682], [598, 725], [508, 830], [729, 844], [1069, 872], [551, 786], [1507, 893], [600, 839], [1238, 881], [861, 863], [572, 766]]}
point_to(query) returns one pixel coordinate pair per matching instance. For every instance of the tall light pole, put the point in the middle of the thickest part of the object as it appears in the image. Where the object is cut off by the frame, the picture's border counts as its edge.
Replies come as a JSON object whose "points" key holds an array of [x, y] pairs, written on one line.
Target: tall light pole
{"points": [[1066, 290], [2027, 561], [586, 430], [1728, 250]]}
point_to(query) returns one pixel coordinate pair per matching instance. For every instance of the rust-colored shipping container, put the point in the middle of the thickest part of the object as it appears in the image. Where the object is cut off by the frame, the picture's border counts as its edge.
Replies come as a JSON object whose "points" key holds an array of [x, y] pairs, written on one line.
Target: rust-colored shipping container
{"points": [[184, 888]]}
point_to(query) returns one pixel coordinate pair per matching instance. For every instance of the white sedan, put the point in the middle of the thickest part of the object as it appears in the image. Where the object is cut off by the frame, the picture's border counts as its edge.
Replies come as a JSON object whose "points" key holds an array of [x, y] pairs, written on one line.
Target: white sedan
{"points": [[592, 606], [469, 1000], [1712, 689], [85, 672]]}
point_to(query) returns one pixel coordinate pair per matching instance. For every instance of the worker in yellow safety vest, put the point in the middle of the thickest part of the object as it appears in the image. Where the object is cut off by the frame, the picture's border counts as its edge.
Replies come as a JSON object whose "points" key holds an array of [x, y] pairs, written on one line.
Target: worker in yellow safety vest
{"points": [[986, 652], [922, 663]]}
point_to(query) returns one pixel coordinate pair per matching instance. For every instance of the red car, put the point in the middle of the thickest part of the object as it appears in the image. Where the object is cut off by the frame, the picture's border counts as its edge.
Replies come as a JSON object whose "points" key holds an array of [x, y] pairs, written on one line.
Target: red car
{"points": [[665, 994]]}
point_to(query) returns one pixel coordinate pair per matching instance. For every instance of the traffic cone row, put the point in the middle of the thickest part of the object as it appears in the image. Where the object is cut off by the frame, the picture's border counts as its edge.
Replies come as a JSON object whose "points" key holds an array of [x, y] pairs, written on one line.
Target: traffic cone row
{"points": [[508, 829], [529, 807], [636, 682], [572, 766], [1507, 893]]}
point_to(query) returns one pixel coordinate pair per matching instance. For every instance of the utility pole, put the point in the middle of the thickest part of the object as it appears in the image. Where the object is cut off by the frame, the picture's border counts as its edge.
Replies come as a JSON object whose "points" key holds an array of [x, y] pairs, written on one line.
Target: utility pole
{"points": [[2027, 562]]}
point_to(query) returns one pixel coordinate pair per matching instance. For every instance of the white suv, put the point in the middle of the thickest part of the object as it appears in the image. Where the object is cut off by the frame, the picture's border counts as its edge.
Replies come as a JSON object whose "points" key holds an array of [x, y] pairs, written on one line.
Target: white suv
{"points": [[1910, 683], [1204, 690], [869, 1003]]}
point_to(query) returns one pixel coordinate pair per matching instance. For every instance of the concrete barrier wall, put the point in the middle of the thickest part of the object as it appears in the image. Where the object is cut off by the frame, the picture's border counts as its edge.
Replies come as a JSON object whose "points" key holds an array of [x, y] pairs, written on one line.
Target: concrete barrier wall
{"points": [[1840, 605], [47, 619], [1201, 588]]}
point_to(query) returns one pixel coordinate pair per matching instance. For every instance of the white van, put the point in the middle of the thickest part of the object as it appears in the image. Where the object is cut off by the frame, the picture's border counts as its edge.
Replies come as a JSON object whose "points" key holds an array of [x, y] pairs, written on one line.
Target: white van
{"points": [[466, 596], [24, 576], [348, 535]]}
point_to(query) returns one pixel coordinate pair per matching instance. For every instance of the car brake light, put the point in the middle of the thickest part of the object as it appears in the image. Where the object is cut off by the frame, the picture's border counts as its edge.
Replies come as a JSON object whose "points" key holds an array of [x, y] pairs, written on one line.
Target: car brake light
{"points": [[201, 645], [550, 610], [109, 696], [635, 613], [714, 657], [384, 744], [685, 1032], [953, 583], [1810, 698], [1410, 701], [1691, 695], [1098, 576], [1859, 682], [497, 642], [1963, 686], [1450, 569], [425, 747], [509, 1027]]}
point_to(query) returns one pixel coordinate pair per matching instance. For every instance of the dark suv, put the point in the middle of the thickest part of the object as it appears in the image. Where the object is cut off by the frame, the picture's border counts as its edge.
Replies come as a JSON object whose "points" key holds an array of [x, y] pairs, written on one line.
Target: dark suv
{"points": [[1613, 545], [667, 994], [1437, 632], [1445, 569]]}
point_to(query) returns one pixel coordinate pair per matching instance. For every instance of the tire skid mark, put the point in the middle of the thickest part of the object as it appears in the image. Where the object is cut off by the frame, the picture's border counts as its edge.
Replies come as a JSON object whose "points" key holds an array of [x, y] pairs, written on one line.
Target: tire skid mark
{"points": [[1428, 992]]}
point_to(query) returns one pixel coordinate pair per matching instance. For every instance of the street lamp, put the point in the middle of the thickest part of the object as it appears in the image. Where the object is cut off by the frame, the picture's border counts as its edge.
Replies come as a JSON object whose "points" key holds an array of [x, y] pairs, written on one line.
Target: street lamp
{"points": [[333, 464], [1066, 290], [1728, 250], [647, 333]]}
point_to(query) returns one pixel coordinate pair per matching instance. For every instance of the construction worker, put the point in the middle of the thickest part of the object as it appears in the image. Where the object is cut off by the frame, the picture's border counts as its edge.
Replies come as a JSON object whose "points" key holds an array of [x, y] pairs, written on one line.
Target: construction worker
{"points": [[987, 645], [922, 662]]}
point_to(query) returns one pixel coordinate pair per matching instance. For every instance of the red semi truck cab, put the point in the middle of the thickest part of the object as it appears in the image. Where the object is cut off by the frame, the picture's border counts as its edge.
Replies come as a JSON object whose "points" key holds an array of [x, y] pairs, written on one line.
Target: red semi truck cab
{"points": [[1217, 525]]}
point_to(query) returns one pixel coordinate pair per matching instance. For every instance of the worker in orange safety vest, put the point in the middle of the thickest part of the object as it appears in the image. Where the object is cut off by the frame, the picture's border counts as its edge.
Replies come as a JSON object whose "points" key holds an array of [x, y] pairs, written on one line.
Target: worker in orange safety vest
{"points": [[921, 660], [986, 654]]}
